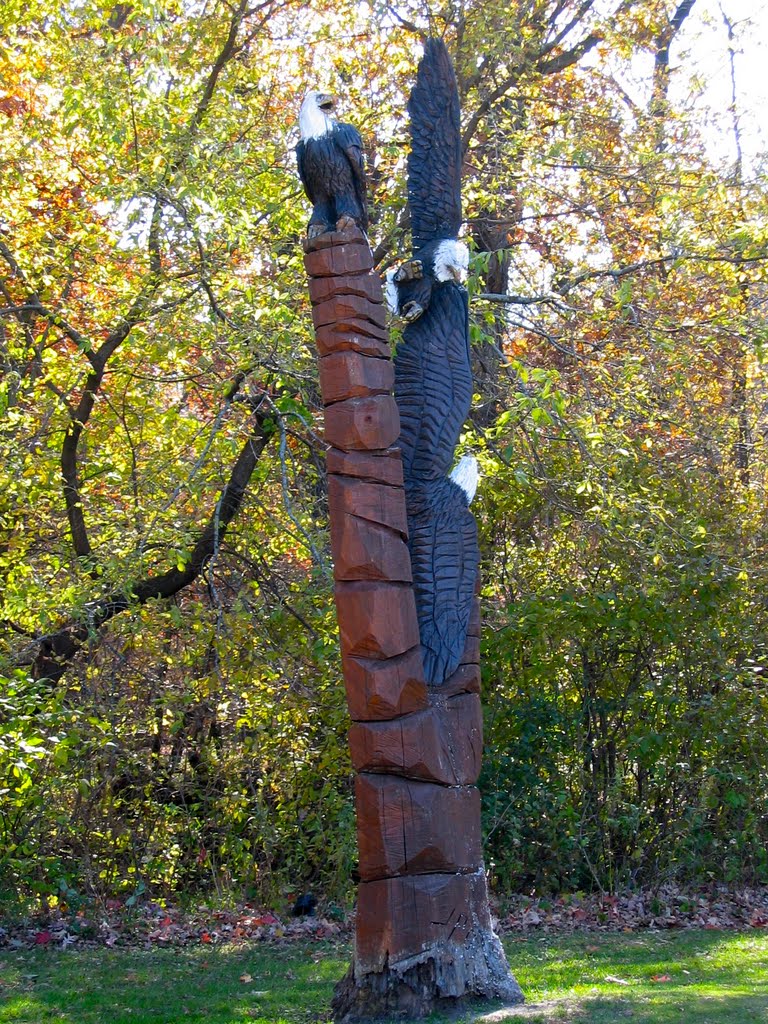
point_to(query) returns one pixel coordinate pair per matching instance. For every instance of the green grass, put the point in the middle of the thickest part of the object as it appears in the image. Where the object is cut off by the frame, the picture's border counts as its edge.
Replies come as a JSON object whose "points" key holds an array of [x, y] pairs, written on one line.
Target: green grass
{"points": [[714, 978]]}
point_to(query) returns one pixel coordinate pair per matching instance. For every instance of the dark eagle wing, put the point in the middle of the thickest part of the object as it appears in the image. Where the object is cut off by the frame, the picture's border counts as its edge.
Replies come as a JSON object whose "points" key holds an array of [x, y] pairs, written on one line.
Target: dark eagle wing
{"points": [[434, 163], [348, 140], [300, 150], [445, 559], [433, 384]]}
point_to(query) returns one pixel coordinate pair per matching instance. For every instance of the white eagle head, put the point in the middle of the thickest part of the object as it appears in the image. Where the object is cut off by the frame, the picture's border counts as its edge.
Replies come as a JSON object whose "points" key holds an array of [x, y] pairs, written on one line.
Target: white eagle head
{"points": [[451, 261], [314, 116]]}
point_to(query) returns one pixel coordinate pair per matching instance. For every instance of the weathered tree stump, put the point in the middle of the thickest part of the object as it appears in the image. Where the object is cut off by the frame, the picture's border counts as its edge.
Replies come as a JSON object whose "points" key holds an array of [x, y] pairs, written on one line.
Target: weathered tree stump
{"points": [[423, 933]]}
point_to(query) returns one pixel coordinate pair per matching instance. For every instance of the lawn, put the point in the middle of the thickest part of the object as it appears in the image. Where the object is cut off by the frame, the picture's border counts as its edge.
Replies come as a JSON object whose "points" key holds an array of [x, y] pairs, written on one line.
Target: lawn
{"points": [[693, 977]]}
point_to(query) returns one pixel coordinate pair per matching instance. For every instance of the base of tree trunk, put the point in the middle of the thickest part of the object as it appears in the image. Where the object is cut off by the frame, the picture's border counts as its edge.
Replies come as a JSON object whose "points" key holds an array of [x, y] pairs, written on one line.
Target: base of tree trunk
{"points": [[444, 978]]}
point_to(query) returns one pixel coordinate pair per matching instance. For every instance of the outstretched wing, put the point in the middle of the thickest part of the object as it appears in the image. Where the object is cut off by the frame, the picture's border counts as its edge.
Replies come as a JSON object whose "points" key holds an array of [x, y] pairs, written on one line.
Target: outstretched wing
{"points": [[348, 140], [434, 163], [302, 171]]}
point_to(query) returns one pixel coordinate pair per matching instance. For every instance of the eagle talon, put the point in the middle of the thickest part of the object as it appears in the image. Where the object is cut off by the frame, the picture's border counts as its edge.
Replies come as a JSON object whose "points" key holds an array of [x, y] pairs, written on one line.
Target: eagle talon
{"points": [[411, 311], [411, 270]]}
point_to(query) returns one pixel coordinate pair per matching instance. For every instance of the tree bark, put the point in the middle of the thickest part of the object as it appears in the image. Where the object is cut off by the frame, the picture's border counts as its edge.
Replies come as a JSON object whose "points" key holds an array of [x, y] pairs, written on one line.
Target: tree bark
{"points": [[423, 934]]}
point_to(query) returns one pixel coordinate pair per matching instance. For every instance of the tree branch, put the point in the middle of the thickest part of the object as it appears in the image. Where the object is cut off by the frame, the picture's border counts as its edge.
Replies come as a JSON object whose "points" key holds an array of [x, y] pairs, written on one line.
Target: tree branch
{"points": [[56, 651]]}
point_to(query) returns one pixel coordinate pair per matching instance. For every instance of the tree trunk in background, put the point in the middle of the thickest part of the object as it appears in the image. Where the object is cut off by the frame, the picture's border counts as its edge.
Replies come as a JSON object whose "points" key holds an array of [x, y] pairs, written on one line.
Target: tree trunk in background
{"points": [[423, 933]]}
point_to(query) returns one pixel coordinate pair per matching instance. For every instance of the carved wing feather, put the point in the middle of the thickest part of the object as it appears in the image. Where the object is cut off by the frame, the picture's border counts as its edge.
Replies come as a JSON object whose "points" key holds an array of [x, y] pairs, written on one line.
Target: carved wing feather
{"points": [[445, 559], [348, 140], [433, 389], [433, 384], [302, 171], [434, 163]]}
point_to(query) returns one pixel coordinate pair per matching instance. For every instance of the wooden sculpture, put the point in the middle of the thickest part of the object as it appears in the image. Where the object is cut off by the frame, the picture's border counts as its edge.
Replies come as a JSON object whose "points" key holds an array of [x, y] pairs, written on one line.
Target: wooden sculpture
{"points": [[433, 377], [423, 933], [331, 167]]}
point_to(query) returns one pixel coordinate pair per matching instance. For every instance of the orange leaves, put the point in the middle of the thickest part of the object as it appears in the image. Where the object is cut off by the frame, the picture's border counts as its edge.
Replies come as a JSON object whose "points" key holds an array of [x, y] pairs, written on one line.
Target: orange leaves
{"points": [[12, 106]]}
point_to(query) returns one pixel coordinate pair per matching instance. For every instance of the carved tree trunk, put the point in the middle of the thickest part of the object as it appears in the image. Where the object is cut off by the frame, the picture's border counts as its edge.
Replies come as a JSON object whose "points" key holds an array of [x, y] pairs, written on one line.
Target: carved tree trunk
{"points": [[423, 935]]}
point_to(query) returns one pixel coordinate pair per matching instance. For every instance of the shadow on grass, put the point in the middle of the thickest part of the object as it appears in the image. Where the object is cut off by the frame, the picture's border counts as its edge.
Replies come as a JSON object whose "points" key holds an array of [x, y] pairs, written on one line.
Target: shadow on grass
{"points": [[647, 978], [678, 1008]]}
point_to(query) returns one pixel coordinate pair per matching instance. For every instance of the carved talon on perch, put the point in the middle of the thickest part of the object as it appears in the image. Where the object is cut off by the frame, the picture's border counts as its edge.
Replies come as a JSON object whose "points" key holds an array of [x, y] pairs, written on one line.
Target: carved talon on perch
{"points": [[411, 270]]}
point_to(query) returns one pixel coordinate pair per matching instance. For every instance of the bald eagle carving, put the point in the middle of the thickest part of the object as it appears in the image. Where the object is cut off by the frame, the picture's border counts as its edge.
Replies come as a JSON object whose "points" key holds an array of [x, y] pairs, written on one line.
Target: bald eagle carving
{"points": [[331, 168], [434, 188], [433, 379]]}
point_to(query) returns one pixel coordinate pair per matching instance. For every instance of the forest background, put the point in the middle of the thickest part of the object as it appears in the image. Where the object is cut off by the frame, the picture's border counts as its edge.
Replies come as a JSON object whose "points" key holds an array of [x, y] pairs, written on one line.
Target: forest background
{"points": [[173, 719]]}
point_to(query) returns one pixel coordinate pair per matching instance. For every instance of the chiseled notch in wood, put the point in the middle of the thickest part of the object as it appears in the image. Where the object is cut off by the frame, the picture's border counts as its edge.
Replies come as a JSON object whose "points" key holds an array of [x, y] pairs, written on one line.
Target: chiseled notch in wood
{"points": [[376, 620], [351, 340], [363, 550], [407, 827], [339, 260], [396, 917], [381, 466], [342, 307], [365, 285], [354, 375], [378, 503], [442, 744], [378, 690]]}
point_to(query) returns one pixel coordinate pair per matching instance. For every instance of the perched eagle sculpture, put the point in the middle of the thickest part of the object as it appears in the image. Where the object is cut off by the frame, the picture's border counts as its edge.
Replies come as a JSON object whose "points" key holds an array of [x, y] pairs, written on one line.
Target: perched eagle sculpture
{"points": [[331, 168], [434, 187], [433, 377]]}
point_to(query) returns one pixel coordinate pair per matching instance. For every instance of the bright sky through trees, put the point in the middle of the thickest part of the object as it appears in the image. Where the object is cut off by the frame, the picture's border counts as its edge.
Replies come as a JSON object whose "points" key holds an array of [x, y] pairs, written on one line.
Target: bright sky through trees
{"points": [[702, 54]]}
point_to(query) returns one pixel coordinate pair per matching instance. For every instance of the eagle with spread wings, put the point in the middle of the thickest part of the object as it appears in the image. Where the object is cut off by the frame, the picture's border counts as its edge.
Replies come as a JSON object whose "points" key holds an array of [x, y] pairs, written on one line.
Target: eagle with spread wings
{"points": [[433, 378]]}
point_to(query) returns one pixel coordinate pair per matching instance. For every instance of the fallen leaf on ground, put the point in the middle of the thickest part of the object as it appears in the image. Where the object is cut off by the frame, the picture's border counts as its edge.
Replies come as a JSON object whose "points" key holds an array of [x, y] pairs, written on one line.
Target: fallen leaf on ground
{"points": [[661, 977], [246, 979]]}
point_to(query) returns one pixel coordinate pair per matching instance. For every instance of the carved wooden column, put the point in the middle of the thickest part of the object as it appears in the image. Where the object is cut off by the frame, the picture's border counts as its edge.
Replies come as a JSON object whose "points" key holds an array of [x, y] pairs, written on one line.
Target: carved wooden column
{"points": [[423, 935]]}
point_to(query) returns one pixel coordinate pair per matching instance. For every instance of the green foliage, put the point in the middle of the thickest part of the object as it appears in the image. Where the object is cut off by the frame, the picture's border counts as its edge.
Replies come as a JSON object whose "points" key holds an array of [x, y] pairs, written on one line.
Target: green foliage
{"points": [[230, 783], [599, 978], [626, 706], [155, 329]]}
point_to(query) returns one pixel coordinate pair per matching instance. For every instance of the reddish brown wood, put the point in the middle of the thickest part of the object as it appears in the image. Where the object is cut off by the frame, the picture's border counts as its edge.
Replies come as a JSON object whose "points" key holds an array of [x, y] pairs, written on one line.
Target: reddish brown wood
{"points": [[423, 932], [329, 341], [382, 466], [345, 306], [363, 550], [378, 503], [323, 288], [466, 679], [378, 690], [362, 423], [352, 325], [442, 744], [406, 827], [376, 620], [471, 655], [475, 622], [352, 375], [400, 917], [329, 239], [339, 260]]}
